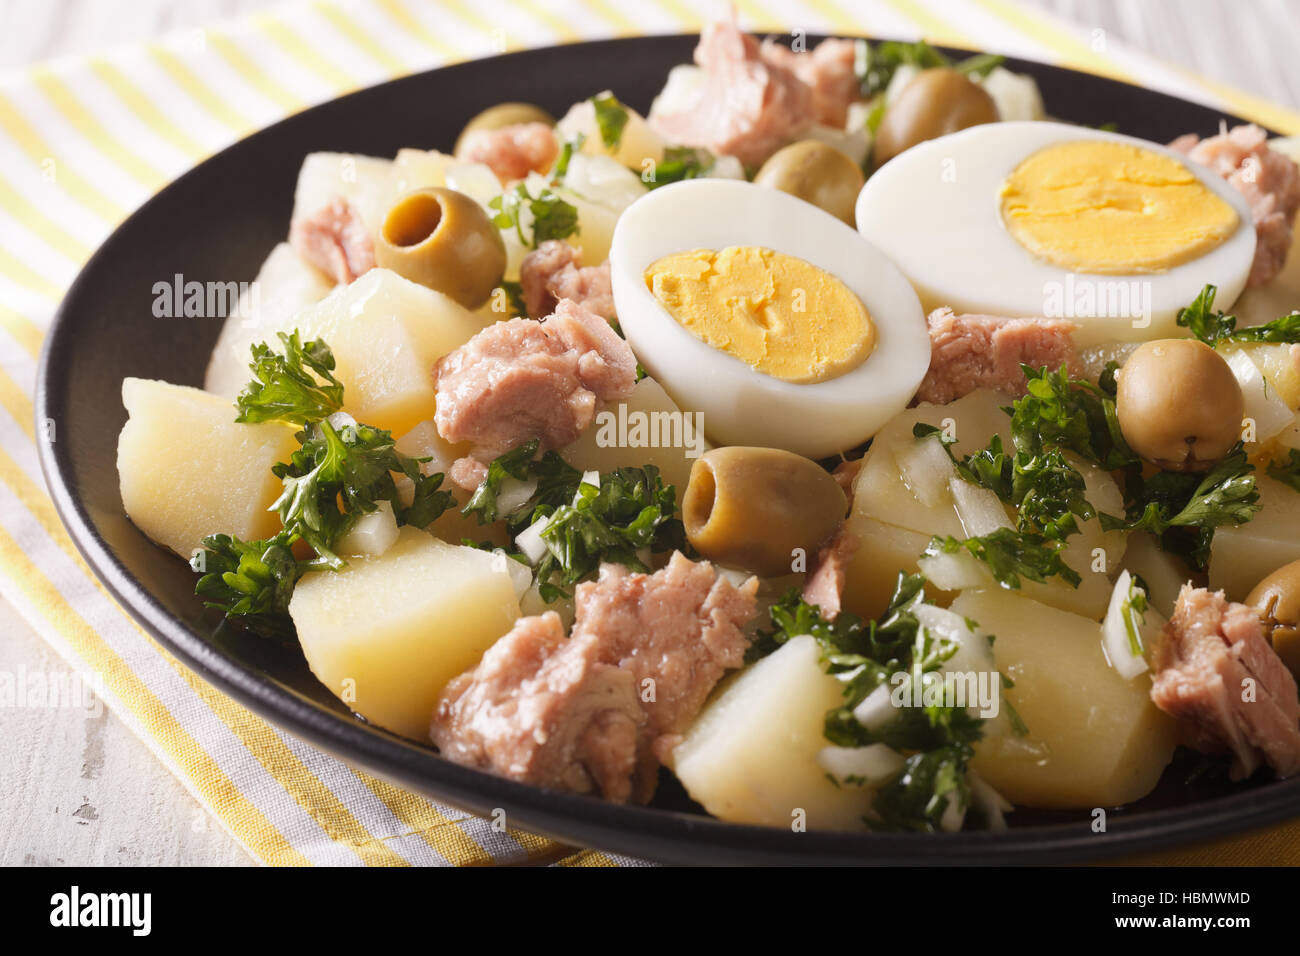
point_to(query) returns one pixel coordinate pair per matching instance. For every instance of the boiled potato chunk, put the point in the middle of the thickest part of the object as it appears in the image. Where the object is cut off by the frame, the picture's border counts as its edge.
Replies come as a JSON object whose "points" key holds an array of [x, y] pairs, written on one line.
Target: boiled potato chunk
{"points": [[1243, 555], [1095, 739], [1164, 573], [647, 428], [883, 551], [386, 333], [188, 469], [366, 182], [751, 755], [285, 285], [386, 634]]}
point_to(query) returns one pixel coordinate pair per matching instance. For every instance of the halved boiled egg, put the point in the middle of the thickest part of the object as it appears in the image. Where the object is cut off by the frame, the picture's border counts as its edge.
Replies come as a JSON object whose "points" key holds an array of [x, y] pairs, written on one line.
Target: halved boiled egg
{"points": [[1044, 219], [776, 321]]}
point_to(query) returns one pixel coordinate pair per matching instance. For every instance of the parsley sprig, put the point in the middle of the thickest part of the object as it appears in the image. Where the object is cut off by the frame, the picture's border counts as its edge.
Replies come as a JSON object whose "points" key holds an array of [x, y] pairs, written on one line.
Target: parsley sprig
{"points": [[552, 217], [296, 386], [1213, 326]]}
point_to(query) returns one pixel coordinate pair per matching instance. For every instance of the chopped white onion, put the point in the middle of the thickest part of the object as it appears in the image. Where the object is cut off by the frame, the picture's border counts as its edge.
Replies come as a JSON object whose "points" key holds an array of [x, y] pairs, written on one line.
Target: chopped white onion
{"points": [[514, 492], [980, 511], [530, 543], [372, 535], [955, 572], [926, 469], [868, 766], [1263, 404], [876, 709], [1114, 631], [989, 801]]}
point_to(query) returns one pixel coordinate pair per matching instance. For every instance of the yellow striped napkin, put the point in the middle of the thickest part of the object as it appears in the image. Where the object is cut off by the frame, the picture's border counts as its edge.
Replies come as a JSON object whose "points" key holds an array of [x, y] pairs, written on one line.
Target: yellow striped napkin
{"points": [[84, 142]]}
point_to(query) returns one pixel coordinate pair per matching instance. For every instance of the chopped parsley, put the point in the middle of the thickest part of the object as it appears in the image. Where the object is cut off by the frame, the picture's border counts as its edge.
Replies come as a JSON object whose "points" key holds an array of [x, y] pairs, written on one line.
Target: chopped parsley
{"points": [[611, 117], [875, 64], [679, 163], [581, 524], [1287, 472], [1011, 556], [1133, 609], [1182, 509], [552, 217], [1213, 326]]}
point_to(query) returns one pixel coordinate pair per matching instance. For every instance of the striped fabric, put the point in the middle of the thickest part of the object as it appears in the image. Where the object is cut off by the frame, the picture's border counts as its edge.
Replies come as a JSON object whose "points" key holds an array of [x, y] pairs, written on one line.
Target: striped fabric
{"points": [[84, 142]]}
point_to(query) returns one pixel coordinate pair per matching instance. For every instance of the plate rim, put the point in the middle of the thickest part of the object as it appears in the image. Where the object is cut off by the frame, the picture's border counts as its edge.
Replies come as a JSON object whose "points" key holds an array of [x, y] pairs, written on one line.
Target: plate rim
{"points": [[665, 835]]}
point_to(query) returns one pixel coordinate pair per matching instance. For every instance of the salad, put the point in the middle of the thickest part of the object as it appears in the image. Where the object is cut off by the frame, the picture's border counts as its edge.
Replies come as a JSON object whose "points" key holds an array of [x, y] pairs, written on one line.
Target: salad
{"points": [[842, 436]]}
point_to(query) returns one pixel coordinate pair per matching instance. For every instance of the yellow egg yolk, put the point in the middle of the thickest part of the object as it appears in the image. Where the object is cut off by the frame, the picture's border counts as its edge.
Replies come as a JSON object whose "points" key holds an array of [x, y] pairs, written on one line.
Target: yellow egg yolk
{"points": [[1112, 208], [780, 315]]}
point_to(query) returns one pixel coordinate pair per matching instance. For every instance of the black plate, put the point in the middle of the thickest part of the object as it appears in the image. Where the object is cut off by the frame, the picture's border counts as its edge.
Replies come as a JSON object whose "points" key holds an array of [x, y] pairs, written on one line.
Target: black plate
{"points": [[219, 221]]}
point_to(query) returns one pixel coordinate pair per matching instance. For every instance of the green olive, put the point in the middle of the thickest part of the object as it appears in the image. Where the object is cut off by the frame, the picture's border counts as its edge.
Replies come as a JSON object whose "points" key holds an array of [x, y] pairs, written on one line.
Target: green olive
{"points": [[1179, 404], [751, 508], [934, 103], [815, 172], [1277, 598], [501, 116], [443, 239]]}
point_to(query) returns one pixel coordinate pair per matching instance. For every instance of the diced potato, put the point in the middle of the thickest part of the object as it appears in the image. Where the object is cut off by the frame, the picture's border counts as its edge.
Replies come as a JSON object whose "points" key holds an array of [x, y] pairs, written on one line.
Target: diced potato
{"points": [[1092, 595], [285, 285], [364, 181], [417, 169], [751, 755], [646, 429], [1095, 739], [883, 551], [188, 469], [386, 634], [386, 333], [1243, 555], [1164, 573]]}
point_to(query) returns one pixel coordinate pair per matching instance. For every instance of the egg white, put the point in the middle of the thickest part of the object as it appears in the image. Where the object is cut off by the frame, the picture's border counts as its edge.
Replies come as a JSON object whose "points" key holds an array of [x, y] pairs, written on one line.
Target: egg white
{"points": [[740, 405], [936, 211]]}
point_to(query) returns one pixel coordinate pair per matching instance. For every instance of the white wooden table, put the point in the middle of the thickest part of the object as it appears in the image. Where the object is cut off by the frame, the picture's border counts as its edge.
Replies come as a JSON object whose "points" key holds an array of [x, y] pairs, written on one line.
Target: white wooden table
{"points": [[79, 787]]}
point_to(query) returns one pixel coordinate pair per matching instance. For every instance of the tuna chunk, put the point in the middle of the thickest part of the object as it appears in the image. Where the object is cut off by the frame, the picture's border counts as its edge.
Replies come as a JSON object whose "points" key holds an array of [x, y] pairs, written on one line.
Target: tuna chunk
{"points": [[554, 271], [679, 628], [1216, 673], [824, 585], [335, 241], [746, 106], [598, 712], [520, 380], [827, 70], [543, 709], [1269, 181], [512, 151], [969, 352]]}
